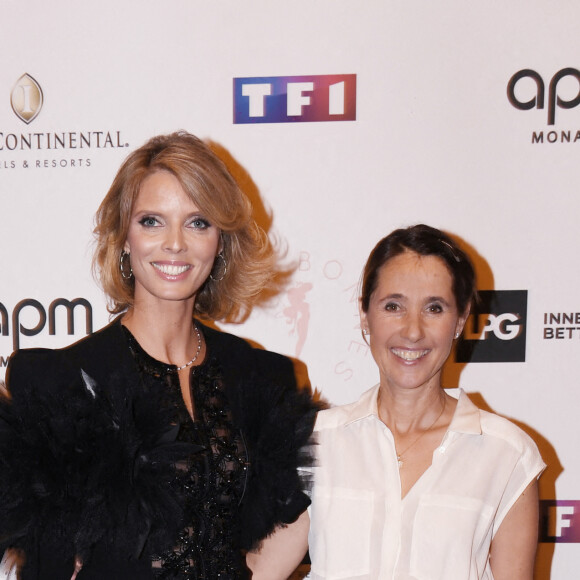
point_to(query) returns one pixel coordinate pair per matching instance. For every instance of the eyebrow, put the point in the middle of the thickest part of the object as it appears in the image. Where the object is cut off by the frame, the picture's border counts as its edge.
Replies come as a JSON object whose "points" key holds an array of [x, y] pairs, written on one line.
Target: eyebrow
{"points": [[157, 212], [438, 299], [397, 296]]}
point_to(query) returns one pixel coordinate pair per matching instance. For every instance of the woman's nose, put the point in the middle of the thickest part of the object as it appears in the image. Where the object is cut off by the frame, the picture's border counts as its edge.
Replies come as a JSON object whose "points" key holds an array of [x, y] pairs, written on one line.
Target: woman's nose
{"points": [[175, 240], [413, 327]]}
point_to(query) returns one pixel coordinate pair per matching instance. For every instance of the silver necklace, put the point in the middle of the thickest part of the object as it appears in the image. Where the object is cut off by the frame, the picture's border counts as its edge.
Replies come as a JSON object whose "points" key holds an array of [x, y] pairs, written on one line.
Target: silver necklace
{"points": [[400, 455], [189, 363]]}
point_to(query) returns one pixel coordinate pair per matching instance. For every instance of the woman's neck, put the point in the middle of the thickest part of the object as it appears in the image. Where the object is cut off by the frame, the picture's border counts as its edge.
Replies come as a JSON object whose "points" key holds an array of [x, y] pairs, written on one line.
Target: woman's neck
{"points": [[408, 410], [167, 333]]}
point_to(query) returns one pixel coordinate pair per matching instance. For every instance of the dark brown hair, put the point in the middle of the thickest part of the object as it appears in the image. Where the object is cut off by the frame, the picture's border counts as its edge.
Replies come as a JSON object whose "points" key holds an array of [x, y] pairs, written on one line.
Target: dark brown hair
{"points": [[425, 241]]}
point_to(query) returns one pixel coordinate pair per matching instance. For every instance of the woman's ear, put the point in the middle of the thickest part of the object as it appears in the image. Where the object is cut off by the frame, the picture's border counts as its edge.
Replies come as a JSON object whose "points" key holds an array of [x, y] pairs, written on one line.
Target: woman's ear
{"points": [[364, 325], [461, 322]]}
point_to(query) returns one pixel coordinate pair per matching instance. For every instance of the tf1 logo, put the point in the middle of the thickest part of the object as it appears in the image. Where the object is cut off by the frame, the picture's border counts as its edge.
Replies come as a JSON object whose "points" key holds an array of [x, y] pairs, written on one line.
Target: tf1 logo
{"points": [[496, 328], [538, 99], [560, 521], [296, 99]]}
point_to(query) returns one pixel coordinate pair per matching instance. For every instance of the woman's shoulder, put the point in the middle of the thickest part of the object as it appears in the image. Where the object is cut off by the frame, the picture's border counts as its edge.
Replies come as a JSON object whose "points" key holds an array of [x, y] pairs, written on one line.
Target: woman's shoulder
{"points": [[511, 446], [244, 358], [345, 414], [222, 340], [499, 427], [35, 377], [102, 342], [41, 368], [508, 438], [107, 337], [469, 418]]}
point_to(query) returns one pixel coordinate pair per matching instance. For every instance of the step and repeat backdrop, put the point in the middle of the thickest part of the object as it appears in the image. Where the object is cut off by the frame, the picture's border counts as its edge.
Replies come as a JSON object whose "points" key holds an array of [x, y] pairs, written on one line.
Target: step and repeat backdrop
{"points": [[341, 120]]}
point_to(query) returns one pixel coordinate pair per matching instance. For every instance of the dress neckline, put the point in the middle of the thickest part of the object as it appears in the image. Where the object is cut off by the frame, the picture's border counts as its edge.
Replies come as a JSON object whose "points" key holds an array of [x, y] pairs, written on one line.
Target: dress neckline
{"points": [[154, 366]]}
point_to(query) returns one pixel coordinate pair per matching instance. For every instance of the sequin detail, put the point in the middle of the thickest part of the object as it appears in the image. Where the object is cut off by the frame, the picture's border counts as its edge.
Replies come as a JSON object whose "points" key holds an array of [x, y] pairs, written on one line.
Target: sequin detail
{"points": [[212, 481]]}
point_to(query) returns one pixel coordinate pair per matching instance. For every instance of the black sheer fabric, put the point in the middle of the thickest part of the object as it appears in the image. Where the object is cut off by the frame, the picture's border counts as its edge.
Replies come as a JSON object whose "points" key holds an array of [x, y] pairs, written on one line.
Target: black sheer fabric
{"points": [[212, 481], [102, 461]]}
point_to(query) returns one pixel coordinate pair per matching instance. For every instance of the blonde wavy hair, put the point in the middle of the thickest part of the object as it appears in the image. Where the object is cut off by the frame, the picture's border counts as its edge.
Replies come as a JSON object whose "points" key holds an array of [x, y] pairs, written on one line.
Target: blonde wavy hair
{"points": [[203, 176]]}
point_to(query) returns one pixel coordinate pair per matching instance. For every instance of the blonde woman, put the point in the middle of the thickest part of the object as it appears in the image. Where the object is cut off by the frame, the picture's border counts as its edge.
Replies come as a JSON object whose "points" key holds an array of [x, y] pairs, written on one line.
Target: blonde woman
{"points": [[158, 447]]}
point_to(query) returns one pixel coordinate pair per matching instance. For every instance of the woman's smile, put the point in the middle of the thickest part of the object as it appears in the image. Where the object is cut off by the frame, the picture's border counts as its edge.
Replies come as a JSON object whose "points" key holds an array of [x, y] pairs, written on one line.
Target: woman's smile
{"points": [[409, 355], [171, 270]]}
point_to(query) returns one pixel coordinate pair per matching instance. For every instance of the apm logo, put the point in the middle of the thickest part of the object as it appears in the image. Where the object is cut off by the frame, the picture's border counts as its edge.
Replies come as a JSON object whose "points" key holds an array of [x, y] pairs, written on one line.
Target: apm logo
{"points": [[32, 309], [560, 521], [26, 99], [496, 329], [295, 99], [538, 92]]}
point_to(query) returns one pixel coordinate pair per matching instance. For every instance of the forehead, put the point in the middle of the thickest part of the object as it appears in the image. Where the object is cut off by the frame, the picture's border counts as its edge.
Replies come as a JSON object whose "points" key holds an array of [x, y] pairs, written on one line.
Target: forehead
{"points": [[412, 272], [162, 188]]}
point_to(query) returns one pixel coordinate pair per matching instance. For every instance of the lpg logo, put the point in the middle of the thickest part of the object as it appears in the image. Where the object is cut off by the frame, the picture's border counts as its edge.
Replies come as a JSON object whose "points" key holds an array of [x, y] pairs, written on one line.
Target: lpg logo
{"points": [[26, 98], [296, 99], [538, 92], [504, 326], [496, 329]]}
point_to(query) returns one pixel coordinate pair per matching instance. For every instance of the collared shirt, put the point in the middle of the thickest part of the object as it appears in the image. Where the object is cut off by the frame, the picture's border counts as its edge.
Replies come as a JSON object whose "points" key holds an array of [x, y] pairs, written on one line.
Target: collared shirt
{"points": [[442, 529]]}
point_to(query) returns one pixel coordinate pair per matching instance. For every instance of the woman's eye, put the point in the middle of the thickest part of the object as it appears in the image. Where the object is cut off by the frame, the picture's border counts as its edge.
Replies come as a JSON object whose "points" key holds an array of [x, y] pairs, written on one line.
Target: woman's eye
{"points": [[391, 307], [200, 223], [435, 308], [148, 221]]}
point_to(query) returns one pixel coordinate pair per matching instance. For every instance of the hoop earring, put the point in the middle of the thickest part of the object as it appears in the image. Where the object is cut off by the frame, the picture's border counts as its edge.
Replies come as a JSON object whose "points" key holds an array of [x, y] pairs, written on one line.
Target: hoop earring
{"points": [[224, 268], [122, 265]]}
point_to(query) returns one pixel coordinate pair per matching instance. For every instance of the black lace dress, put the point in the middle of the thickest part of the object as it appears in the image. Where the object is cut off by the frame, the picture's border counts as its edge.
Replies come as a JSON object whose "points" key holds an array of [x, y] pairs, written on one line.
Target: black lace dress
{"points": [[100, 459], [211, 481]]}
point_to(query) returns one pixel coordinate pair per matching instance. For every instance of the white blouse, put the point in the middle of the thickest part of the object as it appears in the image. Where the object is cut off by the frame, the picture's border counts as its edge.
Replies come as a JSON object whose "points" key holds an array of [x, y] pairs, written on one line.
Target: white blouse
{"points": [[442, 529]]}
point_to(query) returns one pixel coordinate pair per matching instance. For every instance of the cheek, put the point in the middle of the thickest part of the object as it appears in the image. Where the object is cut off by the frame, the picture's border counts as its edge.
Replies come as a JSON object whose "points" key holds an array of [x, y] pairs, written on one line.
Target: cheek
{"points": [[381, 327], [137, 246], [141, 243], [379, 338], [445, 337], [209, 250]]}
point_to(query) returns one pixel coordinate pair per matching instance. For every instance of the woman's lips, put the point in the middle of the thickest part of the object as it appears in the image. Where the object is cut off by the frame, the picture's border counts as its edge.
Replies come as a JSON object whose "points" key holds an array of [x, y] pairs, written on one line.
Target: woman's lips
{"points": [[409, 355]]}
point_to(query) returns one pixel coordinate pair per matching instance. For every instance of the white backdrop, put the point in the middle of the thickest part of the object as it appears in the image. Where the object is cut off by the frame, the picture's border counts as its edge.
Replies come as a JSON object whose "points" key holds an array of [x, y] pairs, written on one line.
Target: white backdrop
{"points": [[435, 140]]}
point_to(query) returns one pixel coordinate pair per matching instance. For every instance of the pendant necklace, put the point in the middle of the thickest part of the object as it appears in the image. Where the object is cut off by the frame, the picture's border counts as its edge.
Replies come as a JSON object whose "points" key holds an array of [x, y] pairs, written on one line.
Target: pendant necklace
{"points": [[189, 363], [400, 455]]}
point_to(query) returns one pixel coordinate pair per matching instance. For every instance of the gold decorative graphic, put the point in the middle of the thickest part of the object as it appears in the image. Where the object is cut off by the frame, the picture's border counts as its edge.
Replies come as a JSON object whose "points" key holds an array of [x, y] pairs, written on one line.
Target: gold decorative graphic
{"points": [[26, 98]]}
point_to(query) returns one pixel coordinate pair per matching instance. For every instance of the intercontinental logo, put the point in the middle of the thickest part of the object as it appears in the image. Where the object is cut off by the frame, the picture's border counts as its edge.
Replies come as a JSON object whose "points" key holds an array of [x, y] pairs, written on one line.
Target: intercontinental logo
{"points": [[38, 148], [26, 98]]}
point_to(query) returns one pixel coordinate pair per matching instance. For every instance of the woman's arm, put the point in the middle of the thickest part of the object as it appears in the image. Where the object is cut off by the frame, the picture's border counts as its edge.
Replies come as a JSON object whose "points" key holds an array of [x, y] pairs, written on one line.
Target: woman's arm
{"points": [[281, 552], [10, 564], [513, 548]]}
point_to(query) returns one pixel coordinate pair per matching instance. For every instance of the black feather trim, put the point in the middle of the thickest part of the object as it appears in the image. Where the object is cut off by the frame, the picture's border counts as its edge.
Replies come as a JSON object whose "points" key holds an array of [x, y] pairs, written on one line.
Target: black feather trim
{"points": [[82, 463], [278, 423]]}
